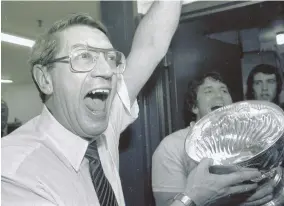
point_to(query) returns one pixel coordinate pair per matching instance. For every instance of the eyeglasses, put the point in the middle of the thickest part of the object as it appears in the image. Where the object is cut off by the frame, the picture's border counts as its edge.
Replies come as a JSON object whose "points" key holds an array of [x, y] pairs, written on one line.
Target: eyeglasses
{"points": [[84, 59]]}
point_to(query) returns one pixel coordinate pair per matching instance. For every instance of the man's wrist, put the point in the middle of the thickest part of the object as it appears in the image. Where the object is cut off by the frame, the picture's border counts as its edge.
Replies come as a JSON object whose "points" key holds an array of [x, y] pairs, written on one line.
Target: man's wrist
{"points": [[184, 199]]}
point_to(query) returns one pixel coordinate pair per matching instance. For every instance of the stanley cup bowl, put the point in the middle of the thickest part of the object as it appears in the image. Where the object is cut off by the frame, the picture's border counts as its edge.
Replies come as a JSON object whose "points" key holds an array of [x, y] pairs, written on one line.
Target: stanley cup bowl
{"points": [[247, 134]]}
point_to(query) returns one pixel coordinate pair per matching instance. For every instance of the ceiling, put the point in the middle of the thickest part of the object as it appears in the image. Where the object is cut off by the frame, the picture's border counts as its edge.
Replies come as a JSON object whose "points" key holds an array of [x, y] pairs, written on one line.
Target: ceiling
{"points": [[21, 18]]}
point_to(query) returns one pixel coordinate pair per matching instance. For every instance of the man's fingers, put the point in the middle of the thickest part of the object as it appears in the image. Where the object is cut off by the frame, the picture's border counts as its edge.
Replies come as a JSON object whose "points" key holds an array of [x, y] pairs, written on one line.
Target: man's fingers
{"points": [[241, 176], [239, 189], [227, 169], [268, 161], [258, 202], [262, 192]]}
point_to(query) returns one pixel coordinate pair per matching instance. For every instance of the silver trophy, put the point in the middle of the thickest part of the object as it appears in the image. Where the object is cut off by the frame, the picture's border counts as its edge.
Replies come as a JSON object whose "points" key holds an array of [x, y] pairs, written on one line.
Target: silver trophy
{"points": [[246, 134]]}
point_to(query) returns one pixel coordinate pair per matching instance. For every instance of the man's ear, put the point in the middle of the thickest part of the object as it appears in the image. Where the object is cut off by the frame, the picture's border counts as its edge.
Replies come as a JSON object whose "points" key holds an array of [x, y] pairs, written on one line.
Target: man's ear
{"points": [[43, 79]]}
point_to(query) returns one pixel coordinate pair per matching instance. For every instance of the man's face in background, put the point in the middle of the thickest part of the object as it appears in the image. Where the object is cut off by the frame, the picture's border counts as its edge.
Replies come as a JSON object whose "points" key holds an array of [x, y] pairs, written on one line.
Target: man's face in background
{"points": [[211, 95], [264, 86]]}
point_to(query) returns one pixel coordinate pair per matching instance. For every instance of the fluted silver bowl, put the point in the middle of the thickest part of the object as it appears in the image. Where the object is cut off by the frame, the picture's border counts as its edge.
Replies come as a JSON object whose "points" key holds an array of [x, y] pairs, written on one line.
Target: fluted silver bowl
{"points": [[247, 134]]}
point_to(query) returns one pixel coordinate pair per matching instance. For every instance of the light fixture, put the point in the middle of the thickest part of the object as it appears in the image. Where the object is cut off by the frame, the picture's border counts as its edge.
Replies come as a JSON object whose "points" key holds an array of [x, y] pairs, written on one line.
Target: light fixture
{"points": [[6, 81], [17, 40], [280, 38]]}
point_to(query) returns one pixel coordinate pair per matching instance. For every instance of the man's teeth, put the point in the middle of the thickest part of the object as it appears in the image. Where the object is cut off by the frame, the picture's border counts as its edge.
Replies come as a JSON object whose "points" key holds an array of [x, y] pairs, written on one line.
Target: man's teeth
{"points": [[104, 91]]}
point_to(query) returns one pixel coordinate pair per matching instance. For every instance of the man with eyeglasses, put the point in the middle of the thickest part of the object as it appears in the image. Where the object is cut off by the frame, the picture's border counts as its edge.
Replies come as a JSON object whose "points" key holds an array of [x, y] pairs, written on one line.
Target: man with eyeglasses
{"points": [[68, 155]]}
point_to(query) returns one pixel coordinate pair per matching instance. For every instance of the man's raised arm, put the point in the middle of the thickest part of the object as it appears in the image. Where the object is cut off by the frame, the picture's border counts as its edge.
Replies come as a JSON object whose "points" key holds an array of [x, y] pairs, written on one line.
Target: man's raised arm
{"points": [[151, 42]]}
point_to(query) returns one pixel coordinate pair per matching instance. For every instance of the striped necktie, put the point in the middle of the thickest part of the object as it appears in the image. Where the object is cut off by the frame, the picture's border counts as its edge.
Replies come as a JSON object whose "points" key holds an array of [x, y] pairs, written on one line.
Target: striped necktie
{"points": [[102, 186]]}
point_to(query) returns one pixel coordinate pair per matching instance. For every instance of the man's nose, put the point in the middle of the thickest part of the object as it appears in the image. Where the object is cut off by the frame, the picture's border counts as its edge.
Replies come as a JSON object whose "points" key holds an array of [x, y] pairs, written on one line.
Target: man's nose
{"points": [[218, 94], [102, 68], [265, 86]]}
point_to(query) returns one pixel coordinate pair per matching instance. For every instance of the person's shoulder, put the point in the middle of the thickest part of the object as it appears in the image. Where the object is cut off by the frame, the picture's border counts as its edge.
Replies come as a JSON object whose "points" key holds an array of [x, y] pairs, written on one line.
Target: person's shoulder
{"points": [[176, 137], [173, 143], [16, 150], [25, 170]]}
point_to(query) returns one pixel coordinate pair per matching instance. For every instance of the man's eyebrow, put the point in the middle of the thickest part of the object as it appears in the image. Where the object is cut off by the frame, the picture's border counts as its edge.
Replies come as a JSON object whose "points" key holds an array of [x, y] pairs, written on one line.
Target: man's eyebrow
{"points": [[79, 45], [207, 87], [224, 87]]}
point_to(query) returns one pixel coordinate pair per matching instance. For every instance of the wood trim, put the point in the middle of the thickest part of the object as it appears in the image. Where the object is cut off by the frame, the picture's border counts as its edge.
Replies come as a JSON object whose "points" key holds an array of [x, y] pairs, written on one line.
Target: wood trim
{"points": [[198, 9]]}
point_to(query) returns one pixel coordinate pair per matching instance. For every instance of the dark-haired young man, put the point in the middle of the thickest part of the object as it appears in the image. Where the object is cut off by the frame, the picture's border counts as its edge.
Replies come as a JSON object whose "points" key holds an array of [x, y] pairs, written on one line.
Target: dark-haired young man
{"points": [[172, 168]]}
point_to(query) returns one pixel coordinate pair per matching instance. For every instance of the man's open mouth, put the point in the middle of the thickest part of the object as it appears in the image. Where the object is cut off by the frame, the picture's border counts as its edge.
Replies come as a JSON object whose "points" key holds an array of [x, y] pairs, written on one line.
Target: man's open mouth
{"points": [[96, 99], [215, 107]]}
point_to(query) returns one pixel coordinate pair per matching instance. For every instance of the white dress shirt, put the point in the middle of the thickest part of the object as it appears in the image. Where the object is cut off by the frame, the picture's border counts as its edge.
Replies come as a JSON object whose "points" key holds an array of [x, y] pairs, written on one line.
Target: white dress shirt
{"points": [[43, 163]]}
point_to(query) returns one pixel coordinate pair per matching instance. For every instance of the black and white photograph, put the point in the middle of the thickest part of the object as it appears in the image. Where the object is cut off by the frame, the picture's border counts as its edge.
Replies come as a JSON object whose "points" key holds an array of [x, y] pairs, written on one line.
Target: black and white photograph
{"points": [[142, 103]]}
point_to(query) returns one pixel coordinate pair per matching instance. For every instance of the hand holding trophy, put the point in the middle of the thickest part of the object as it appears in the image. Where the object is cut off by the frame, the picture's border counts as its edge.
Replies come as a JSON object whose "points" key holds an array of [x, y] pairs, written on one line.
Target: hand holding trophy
{"points": [[246, 134]]}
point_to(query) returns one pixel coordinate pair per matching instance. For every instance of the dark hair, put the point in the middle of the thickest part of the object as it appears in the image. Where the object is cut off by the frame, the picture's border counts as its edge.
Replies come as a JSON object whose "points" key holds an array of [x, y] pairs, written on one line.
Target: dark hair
{"points": [[191, 94], [266, 69], [47, 45]]}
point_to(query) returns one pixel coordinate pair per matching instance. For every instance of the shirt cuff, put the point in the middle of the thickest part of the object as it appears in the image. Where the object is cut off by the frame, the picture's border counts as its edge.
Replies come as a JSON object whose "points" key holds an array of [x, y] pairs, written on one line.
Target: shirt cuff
{"points": [[122, 91]]}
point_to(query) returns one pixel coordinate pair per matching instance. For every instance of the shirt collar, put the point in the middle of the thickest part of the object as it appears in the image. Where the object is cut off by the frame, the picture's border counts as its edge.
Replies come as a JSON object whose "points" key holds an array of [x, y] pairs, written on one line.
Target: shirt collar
{"points": [[70, 145]]}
